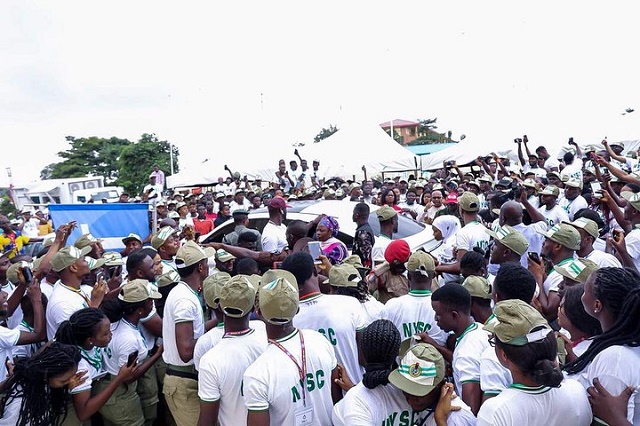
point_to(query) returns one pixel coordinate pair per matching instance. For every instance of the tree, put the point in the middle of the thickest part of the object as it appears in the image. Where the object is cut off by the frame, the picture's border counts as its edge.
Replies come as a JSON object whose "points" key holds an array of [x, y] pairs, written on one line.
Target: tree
{"points": [[88, 156], [427, 125], [47, 171], [136, 161], [325, 133]]}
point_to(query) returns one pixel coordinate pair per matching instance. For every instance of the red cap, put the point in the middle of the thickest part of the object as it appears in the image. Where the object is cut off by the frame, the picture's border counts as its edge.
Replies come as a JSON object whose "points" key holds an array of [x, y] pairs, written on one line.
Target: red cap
{"points": [[451, 198], [278, 203], [398, 250]]}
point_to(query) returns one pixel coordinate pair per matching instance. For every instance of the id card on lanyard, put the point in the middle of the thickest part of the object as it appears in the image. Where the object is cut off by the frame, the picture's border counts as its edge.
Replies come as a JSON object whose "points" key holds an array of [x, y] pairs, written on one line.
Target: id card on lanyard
{"points": [[302, 369]]}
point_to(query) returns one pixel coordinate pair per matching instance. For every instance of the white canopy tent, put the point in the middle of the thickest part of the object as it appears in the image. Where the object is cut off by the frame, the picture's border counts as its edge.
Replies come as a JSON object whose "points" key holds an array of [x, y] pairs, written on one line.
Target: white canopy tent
{"points": [[467, 151], [341, 155], [345, 152]]}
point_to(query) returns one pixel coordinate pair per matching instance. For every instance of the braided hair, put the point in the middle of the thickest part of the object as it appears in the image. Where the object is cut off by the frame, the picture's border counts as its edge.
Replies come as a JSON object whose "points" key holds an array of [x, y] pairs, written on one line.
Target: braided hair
{"points": [[82, 325], [619, 291], [40, 404], [380, 346], [361, 292]]}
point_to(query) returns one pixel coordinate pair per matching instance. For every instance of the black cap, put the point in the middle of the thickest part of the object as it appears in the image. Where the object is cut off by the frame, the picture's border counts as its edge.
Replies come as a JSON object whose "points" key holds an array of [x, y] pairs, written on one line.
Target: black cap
{"points": [[239, 212]]}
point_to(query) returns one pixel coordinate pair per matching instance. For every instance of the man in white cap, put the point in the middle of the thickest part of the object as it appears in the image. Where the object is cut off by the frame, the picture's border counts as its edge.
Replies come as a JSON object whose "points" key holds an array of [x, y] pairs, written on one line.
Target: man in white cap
{"points": [[589, 233], [182, 325], [294, 381], [549, 207], [573, 201]]}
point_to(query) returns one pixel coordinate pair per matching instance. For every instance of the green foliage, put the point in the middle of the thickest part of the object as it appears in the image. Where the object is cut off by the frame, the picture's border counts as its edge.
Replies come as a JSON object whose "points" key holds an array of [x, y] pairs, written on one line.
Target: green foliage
{"points": [[88, 156], [325, 133], [120, 161], [6, 206], [427, 124], [137, 160]]}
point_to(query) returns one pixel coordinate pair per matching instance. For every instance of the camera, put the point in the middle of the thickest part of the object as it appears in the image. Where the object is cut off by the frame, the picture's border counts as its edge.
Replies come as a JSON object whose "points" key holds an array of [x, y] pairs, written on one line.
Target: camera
{"points": [[517, 140], [571, 140], [450, 163]]}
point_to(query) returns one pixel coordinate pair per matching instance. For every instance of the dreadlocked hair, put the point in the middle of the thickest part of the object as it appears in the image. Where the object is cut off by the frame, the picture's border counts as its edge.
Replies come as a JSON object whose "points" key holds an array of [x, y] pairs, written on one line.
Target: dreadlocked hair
{"points": [[79, 327], [361, 292], [619, 291], [380, 345], [41, 405]]}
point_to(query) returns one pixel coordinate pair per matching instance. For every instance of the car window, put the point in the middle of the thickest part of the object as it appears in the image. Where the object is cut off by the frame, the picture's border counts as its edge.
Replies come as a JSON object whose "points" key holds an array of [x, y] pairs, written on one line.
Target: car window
{"points": [[406, 226]]}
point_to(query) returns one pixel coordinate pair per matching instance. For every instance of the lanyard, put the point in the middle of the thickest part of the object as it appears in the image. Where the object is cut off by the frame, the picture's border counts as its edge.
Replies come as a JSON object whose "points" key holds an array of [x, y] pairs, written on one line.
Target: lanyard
{"points": [[237, 333], [302, 370], [79, 293]]}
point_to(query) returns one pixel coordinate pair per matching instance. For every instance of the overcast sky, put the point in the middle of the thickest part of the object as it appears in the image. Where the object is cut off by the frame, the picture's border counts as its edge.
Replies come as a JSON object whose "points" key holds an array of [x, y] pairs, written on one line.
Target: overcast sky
{"points": [[193, 72]]}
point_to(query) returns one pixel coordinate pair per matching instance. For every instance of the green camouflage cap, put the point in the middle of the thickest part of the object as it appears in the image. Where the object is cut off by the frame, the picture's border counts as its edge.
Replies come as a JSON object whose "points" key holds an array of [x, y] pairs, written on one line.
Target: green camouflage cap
{"points": [[163, 234], [94, 263], [589, 226], [421, 262], [550, 190], [354, 260], [67, 256], [577, 269], [278, 299], [477, 286], [344, 275], [385, 213], [565, 235], [633, 198], [514, 322], [224, 256], [510, 238], [211, 288], [469, 202], [86, 240], [191, 253], [136, 291], [168, 278], [420, 371], [132, 236], [12, 271], [237, 296], [112, 258]]}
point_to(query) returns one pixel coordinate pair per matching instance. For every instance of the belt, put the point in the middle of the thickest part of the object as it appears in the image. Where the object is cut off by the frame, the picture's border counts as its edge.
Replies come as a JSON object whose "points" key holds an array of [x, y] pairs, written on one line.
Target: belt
{"points": [[184, 371]]}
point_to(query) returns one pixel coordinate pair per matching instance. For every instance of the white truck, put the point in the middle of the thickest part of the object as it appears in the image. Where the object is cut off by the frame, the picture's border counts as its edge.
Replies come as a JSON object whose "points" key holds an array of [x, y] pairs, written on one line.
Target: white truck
{"points": [[66, 191]]}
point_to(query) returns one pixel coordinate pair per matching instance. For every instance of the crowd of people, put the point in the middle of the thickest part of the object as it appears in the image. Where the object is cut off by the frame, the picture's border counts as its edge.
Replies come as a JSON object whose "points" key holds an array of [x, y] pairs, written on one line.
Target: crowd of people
{"points": [[525, 311]]}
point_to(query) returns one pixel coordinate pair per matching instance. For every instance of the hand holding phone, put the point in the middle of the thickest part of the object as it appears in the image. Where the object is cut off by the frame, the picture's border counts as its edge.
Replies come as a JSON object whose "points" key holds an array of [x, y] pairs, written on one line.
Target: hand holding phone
{"points": [[314, 250], [133, 356], [534, 256]]}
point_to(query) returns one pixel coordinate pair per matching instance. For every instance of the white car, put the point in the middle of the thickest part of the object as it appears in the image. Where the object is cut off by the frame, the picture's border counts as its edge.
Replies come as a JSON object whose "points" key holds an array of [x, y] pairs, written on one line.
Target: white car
{"points": [[416, 234]]}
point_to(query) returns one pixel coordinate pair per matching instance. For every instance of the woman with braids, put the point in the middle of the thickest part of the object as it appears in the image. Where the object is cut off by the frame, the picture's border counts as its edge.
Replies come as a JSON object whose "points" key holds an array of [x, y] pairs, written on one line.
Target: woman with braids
{"points": [[37, 392], [380, 398], [574, 319], [611, 364], [89, 330], [540, 395], [126, 406]]}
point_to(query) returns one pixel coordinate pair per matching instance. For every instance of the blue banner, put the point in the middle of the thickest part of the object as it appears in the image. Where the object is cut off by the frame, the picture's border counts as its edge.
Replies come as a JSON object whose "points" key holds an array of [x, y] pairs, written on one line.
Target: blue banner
{"points": [[107, 221]]}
